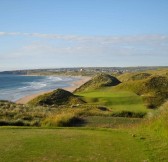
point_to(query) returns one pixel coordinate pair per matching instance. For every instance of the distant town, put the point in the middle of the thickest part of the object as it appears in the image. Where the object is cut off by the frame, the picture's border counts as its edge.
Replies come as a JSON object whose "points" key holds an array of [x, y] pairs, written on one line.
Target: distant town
{"points": [[82, 70]]}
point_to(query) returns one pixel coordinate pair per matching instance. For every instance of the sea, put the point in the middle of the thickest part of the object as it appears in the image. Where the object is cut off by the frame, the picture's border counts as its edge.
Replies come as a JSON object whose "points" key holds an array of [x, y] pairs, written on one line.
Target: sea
{"points": [[14, 87]]}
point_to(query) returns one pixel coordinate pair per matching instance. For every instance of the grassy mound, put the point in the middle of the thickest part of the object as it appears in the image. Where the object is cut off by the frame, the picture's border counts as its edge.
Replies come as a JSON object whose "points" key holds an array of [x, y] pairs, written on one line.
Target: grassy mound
{"points": [[57, 97], [99, 81], [154, 89]]}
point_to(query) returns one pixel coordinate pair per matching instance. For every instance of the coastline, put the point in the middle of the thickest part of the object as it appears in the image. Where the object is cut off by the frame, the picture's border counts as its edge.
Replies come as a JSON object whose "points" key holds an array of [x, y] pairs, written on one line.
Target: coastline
{"points": [[75, 85]]}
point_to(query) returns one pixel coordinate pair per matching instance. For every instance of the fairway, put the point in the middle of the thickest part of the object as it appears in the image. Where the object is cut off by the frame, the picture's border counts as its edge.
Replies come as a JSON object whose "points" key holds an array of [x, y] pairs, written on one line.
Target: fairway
{"points": [[115, 99], [69, 144]]}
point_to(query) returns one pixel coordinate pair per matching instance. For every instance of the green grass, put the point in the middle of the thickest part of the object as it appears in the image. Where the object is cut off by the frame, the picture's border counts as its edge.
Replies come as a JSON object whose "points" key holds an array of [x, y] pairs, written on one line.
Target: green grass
{"points": [[66, 145], [116, 100]]}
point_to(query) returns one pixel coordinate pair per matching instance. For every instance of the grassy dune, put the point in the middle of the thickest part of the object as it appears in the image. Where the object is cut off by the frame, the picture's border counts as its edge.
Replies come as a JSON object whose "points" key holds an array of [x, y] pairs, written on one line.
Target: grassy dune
{"points": [[56, 98], [99, 81], [154, 89]]}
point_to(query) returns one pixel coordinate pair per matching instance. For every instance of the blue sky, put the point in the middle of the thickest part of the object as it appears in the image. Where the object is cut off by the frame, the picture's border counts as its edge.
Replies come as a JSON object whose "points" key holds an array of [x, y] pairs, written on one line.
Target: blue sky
{"points": [[71, 33]]}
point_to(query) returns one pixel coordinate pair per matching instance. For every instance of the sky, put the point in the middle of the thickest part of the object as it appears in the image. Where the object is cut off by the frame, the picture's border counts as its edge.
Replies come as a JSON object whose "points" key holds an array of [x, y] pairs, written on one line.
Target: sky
{"points": [[83, 33]]}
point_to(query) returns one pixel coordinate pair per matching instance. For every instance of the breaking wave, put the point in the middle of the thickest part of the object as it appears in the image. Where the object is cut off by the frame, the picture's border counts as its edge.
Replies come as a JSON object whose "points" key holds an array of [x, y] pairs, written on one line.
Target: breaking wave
{"points": [[16, 87]]}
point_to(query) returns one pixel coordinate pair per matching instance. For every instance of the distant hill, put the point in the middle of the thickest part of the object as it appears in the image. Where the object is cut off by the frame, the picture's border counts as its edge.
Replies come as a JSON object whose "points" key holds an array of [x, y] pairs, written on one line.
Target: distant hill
{"points": [[56, 98], [133, 76], [101, 80], [142, 75]]}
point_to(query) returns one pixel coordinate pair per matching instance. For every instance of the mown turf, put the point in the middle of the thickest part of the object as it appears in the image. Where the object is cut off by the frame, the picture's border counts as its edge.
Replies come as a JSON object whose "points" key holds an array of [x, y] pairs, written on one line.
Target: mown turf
{"points": [[116, 100], [66, 145]]}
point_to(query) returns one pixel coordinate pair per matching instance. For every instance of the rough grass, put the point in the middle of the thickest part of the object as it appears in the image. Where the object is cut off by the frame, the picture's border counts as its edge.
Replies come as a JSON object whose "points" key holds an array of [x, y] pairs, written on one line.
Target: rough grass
{"points": [[154, 133], [16, 114], [158, 122], [64, 119], [65, 145]]}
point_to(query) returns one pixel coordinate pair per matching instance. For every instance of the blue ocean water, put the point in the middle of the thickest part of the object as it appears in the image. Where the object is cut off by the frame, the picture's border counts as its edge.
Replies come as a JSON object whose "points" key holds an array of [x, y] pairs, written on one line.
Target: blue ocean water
{"points": [[14, 87]]}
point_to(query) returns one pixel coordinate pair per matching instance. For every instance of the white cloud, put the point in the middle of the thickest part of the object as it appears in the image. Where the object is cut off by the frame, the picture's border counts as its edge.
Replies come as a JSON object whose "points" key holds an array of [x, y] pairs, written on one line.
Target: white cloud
{"points": [[100, 39], [91, 49]]}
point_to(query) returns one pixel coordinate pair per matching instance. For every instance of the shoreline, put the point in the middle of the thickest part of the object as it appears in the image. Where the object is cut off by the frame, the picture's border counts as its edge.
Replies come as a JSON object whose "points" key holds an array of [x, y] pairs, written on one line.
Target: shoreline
{"points": [[73, 87]]}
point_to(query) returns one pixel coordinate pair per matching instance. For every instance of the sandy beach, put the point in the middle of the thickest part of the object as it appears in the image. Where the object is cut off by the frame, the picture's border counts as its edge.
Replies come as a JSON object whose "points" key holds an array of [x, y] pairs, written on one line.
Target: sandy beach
{"points": [[75, 85]]}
